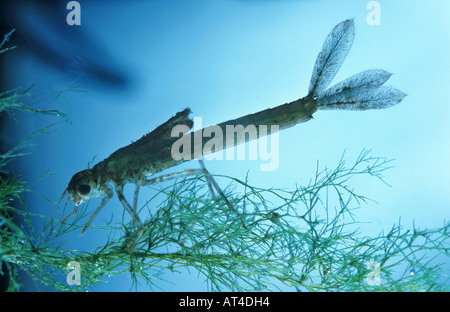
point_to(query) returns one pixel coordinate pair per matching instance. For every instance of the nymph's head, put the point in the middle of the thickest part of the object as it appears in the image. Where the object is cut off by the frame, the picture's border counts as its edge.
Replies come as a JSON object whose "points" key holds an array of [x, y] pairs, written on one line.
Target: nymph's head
{"points": [[82, 186]]}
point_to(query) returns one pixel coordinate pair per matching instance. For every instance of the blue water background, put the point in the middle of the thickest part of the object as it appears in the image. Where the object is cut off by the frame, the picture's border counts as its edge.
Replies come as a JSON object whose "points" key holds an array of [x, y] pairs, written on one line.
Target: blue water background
{"points": [[225, 59]]}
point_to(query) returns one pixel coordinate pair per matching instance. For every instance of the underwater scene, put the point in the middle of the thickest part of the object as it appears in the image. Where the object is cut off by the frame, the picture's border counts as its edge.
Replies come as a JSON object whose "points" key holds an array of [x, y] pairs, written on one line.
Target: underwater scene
{"points": [[233, 145]]}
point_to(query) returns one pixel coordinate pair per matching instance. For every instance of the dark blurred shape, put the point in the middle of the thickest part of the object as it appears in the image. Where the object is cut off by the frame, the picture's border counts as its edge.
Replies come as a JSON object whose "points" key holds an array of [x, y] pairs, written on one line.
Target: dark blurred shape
{"points": [[4, 277], [42, 30]]}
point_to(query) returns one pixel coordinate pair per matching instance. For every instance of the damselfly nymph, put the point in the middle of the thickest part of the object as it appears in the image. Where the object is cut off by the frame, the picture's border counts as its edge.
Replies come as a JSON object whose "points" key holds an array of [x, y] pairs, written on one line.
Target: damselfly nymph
{"points": [[139, 162]]}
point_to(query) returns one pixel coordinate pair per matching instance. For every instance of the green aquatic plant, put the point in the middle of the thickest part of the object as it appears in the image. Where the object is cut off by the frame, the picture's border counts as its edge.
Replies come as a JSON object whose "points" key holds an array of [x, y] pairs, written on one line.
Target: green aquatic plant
{"points": [[305, 238], [18, 99], [12, 185]]}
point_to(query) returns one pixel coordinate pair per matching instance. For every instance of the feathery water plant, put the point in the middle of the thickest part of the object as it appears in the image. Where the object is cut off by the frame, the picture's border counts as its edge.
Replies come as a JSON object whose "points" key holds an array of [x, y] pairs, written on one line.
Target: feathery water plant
{"points": [[299, 238]]}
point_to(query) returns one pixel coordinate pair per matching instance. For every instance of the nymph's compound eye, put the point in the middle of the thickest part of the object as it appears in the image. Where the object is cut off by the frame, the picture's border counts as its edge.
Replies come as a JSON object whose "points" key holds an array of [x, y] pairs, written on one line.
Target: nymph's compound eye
{"points": [[84, 189]]}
